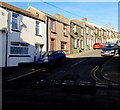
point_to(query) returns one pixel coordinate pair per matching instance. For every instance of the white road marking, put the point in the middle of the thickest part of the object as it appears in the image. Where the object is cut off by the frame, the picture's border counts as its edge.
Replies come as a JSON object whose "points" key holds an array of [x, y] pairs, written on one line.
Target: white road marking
{"points": [[78, 63], [12, 79]]}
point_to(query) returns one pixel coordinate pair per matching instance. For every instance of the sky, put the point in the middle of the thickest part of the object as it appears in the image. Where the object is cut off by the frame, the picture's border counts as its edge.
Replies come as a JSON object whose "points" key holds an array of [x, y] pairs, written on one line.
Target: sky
{"points": [[100, 13]]}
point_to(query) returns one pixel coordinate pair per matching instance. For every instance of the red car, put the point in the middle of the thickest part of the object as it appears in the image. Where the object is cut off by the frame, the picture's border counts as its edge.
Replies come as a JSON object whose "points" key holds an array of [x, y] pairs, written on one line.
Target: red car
{"points": [[97, 45]]}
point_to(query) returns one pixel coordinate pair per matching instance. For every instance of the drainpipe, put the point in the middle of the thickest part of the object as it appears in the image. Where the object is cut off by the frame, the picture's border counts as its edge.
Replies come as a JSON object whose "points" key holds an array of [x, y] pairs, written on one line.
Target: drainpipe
{"points": [[84, 37], [47, 34], [6, 53]]}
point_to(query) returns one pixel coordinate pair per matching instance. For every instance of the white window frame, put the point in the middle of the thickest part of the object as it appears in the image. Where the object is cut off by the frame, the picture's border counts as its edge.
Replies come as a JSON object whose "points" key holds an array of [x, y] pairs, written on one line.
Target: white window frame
{"points": [[65, 29], [82, 32], [91, 32], [38, 28], [17, 19], [107, 33], [110, 33], [25, 47], [99, 33], [75, 29], [87, 30], [96, 31], [75, 43], [52, 25]]}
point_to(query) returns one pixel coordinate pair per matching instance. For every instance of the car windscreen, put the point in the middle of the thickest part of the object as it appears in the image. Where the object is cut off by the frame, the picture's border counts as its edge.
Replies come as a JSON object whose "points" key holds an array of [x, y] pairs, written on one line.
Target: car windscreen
{"points": [[47, 54], [109, 46]]}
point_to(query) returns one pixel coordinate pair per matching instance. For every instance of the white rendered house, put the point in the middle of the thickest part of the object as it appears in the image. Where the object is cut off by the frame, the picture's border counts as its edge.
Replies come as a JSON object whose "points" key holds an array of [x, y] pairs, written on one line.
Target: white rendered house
{"points": [[22, 36]]}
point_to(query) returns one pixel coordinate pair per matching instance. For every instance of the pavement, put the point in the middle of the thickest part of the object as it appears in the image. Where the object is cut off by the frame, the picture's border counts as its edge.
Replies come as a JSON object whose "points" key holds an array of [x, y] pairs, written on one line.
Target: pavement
{"points": [[111, 69], [84, 52]]}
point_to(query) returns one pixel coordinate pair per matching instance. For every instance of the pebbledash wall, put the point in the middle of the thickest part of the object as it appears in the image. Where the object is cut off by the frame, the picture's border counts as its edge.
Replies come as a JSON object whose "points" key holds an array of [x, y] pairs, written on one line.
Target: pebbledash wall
{"points": [[24, 40]]}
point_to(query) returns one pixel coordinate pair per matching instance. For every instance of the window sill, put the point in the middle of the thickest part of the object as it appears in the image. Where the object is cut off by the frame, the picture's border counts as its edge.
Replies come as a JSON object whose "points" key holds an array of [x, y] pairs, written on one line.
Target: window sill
{"points": [[65, 50], [66, 35], [19, 55], [53, 32], [15, 30], [38, 35]]}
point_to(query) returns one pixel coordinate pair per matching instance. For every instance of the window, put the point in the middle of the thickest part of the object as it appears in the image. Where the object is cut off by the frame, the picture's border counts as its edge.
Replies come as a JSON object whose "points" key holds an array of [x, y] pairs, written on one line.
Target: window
{"points": [[110, 33], [107, 33], [99, 33], [102, 32], [82, 32], [75, 29], [87, 30], [91, 32], [38, 30], [75, 43], [65, 29], [96, 31], [15, 21], [63, 45], [19, 50], [53, 26]]}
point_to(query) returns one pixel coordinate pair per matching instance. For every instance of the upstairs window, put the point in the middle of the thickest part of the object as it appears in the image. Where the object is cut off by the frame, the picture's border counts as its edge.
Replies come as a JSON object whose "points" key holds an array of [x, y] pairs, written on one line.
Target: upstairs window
{"points": [[91, 32], [65, 29], [87, 30], [96, 31], [53, 26], [82, 32], [38, 31], [99, 33], [15, 21], [75, 43]]}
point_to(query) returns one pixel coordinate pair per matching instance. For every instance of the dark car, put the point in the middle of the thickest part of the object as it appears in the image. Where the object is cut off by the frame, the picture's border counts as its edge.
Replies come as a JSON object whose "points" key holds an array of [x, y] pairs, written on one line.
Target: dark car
{"points": [[108, 50], [52, 57], [97, 45]]}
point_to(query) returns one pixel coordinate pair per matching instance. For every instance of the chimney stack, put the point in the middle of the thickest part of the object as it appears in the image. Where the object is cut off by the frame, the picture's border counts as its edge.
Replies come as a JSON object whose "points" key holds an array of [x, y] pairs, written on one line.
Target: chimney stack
{"points": [[84, 19]]}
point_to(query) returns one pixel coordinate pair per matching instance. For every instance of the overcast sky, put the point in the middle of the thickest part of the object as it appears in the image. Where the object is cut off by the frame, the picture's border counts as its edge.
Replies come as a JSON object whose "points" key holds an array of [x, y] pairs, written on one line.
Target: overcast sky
{"points": [[100, 13]]}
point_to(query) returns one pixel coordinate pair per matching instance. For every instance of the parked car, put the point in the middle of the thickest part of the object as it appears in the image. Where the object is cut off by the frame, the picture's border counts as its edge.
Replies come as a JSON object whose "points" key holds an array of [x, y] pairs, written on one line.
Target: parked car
{"points": [[52, 57], [108, 50], [97, 45]]}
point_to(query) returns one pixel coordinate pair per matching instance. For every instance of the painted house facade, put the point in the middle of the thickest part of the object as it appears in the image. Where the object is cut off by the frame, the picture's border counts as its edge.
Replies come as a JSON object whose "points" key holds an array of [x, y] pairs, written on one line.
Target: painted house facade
{"points": [[58, 28], [25, 37], [76, 36], [98, 37], [89, 34], [110, 34]]}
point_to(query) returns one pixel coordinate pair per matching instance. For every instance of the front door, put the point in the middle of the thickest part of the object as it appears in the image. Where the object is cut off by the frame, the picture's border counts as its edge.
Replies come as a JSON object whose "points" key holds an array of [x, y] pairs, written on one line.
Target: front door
{"points": [[52, 45]]}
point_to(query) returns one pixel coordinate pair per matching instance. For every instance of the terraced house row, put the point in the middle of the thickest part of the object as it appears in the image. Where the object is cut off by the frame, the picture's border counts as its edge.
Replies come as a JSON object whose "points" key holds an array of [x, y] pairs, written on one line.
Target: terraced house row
{"points": [[26, 34]]}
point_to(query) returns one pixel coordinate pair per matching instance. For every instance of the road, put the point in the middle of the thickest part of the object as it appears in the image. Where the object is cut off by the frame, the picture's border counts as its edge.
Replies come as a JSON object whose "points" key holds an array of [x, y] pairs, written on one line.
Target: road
{"points": [[68, 85]]}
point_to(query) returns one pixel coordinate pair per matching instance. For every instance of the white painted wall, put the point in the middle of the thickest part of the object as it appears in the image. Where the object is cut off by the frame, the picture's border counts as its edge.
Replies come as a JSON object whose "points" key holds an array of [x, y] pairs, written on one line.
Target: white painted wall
{"points": [[3, 24], [26, 35]]}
